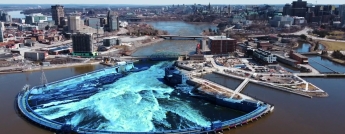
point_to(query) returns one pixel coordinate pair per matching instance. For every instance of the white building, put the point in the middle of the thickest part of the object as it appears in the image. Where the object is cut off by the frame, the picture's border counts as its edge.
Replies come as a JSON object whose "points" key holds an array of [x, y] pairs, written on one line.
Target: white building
{"points": [[74, 23]]}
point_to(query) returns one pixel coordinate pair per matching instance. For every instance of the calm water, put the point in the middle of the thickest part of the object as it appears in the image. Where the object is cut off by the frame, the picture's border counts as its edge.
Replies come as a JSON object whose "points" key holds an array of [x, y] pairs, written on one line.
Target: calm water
{"points": [[293, 113], [17, 14], [304, 48], [320, 64], [176, 46], [182, 28]]}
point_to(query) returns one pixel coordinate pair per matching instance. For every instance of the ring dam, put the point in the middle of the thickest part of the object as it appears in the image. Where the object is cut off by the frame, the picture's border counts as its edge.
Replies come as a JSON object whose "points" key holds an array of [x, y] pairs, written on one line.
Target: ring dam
{"points": [[25, 100]]}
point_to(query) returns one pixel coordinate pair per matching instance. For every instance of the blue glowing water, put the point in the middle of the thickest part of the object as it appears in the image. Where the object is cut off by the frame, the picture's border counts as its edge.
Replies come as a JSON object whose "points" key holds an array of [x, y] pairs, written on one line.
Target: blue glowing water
{"points": [[138, 102]]}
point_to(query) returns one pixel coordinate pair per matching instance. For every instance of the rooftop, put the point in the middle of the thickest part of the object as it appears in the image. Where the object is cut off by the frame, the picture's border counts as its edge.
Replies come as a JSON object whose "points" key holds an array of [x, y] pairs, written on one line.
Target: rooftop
{"points": [[220, 38]]}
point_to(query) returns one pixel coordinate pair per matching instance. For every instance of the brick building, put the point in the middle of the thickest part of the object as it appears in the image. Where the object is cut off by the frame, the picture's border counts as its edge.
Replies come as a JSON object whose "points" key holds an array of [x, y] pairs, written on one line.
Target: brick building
{"points": [[222, 45]]}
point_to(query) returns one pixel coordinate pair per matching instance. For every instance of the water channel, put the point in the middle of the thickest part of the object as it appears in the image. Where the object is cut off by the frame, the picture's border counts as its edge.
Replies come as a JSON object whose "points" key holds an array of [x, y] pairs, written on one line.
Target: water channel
{"points": [[293, 114]]}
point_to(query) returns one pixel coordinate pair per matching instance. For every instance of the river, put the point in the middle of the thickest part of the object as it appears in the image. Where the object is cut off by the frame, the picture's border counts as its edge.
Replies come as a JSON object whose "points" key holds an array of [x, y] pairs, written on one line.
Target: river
{"points": [[293, 114], [17, 14]]}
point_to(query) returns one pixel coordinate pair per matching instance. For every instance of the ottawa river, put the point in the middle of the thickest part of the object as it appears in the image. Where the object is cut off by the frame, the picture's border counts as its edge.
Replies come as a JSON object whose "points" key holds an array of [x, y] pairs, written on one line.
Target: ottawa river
{"points": [[292, 113]]}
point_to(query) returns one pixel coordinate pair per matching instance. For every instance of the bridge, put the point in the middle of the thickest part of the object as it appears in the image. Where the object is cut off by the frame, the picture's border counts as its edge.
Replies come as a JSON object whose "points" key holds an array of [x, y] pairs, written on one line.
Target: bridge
{"points": [[161, 56], [241, 87], [181, 37]]}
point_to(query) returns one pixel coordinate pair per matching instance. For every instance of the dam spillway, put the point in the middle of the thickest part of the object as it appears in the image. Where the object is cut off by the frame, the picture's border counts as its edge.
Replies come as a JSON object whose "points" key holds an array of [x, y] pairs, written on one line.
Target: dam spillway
{"points": [[110, 101]]}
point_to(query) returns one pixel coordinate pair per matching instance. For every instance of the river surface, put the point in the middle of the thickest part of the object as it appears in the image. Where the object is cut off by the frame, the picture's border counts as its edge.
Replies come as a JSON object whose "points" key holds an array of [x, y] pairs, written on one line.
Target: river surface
{"points": [[292, 114], [17, 14], [176, 46]]}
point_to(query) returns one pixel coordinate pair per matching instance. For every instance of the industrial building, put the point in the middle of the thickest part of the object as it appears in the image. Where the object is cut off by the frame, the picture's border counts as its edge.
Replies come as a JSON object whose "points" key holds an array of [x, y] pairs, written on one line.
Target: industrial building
{"points": [[58, 13], [111, 41], [264, 45], [286, 60], [35, 56], [301, 59], [83, 45], [264, 57], [222, 45]]}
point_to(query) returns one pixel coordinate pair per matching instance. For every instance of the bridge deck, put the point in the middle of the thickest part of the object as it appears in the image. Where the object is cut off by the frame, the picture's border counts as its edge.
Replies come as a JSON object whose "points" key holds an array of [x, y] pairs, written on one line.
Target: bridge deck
{"points": [[241, 87]]}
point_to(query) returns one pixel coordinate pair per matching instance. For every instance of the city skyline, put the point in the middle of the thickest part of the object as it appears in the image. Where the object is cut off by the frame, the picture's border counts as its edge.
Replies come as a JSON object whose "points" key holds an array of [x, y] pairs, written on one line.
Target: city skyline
{"points": [[153, 2]]}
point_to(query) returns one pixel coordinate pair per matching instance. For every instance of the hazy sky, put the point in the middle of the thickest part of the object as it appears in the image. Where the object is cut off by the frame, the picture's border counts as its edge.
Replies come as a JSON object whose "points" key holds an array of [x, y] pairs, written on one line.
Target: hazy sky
{"points": [[160, 2]]}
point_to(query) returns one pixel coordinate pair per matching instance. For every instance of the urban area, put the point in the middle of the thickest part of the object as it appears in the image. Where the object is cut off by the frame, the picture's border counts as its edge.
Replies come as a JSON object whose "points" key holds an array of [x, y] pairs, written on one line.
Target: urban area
{"points": [[250, 43]]}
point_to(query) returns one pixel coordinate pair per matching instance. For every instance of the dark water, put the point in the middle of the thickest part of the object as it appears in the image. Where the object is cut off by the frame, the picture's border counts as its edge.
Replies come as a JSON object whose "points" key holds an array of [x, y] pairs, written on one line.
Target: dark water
{"points": [[174, 46], [303, 48], [324, 65], [300, 115], [222, 80], [11, 84]]}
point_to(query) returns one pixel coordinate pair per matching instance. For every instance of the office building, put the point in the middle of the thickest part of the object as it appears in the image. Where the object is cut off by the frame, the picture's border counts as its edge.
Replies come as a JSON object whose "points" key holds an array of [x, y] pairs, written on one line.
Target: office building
{"points": [[93, 22], [4, 16], [281, 21], [287, 9], [35, 18], [221, 45], [1, 34], [113, 21], [83, 44], [341, 10], [74, 24], [264, 57], [57, 13], [297, 8]]}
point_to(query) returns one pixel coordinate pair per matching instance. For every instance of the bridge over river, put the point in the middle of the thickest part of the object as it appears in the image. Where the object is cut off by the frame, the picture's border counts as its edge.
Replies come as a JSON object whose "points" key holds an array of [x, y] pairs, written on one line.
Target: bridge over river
{"points": [[181, 37]]}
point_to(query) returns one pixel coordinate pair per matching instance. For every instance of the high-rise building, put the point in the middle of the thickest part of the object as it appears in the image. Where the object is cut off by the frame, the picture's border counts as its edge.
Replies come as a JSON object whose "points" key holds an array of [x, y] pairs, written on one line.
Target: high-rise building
{"points": [[113, 21], [287, 9], [74, 24], [4, 16], [2, 29], [57, 13], [341, 10], [299, 8], [82, 44]]}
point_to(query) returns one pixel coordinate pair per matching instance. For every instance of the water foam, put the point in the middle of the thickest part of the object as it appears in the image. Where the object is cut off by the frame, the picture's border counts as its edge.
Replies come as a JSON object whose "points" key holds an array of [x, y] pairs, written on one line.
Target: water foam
{"points": [[129, 104]]}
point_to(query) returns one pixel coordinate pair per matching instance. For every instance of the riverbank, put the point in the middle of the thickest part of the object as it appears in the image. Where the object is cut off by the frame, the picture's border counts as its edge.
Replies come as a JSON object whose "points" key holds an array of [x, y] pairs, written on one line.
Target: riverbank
{"points": [[54, 66], [342, 62], [138, 45]]}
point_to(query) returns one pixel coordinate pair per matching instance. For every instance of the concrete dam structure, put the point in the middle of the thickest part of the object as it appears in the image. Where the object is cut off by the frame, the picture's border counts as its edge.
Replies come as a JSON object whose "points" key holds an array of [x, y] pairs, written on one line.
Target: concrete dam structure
{"points": [[33, 102]]}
